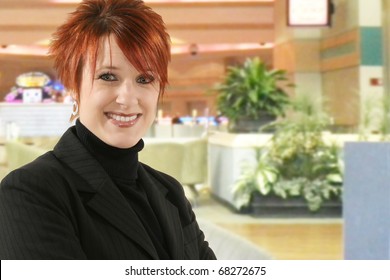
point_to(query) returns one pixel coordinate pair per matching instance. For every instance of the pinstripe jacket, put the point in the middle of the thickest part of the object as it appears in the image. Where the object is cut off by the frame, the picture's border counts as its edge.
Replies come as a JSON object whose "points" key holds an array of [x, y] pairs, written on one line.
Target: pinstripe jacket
{"points": [[63, 205]]}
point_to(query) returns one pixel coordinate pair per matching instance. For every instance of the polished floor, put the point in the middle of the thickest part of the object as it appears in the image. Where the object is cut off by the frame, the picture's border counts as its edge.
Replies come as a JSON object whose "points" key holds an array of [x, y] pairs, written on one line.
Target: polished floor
{"points": [[283, 239]]}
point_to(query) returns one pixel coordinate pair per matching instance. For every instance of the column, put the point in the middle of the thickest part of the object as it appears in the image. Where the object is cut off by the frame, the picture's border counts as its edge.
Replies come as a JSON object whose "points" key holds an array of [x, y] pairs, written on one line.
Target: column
{"points": [[341, 64]]}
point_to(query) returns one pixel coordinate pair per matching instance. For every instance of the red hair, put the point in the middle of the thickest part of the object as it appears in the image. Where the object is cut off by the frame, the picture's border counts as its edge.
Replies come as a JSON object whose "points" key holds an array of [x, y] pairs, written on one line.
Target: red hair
{"points": [[139, 31]]}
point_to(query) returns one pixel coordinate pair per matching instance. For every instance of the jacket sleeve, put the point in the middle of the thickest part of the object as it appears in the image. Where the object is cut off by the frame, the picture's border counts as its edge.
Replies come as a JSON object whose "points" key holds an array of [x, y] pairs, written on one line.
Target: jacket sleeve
{"points": [[205, 252], [188, 219], [35, 219]]}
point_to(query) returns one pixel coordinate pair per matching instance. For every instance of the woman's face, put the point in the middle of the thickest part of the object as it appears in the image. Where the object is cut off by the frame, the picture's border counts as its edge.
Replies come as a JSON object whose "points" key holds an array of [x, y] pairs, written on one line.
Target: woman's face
{"points": [[117, 103]]}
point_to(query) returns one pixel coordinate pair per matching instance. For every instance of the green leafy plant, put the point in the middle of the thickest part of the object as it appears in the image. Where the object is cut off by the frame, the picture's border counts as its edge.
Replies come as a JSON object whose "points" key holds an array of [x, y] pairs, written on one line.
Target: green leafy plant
{"points": [[384, 127], [255, 177], [374, 116], [251, 91], [300, 162]]}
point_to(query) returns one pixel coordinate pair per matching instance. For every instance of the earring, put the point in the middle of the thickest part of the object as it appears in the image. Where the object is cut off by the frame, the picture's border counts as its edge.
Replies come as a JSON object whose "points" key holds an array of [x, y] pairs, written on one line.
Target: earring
{"points": [[75, 110]]}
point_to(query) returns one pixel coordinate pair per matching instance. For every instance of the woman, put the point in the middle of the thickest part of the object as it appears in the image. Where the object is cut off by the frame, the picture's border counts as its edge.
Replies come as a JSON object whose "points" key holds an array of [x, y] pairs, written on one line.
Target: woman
{"points": [[90, 198]]}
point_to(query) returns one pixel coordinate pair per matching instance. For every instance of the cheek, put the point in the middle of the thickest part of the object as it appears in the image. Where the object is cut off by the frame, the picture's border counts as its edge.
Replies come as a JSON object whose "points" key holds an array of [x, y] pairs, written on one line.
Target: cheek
{"points": [[98, 99], [151, 100]]}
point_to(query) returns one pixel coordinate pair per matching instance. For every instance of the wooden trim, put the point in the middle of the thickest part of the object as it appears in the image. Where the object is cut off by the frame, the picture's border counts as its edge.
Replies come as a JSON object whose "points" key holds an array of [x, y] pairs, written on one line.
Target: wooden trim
{"points": [[212, 4], [340, 39], [340, 62], [27, 28], [230, 26], [197, 94], [48, 4]]}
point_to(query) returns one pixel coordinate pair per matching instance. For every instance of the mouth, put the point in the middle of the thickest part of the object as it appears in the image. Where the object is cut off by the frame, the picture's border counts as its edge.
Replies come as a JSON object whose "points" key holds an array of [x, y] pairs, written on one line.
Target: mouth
{"points": [[123, 120]]}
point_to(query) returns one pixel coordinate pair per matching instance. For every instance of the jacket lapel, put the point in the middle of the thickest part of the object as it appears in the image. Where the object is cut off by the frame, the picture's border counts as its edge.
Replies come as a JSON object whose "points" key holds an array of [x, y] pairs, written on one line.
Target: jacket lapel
{"points": [[167, 215], [107, 200]]}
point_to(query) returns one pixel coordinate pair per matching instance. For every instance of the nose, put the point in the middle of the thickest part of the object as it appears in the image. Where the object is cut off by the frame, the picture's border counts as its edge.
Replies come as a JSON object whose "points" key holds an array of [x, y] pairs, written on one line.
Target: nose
{"points": [[127, 95]]}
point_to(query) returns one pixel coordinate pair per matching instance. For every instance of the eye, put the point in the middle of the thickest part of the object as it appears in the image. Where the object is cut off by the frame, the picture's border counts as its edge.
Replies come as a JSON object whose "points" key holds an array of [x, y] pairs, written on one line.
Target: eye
{"points": [[108, 77], [145, 79]]}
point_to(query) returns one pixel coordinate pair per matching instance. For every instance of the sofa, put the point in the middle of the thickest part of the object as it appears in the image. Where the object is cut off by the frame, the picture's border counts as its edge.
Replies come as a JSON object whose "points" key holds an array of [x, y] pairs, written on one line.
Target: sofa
{"points": [[184, 159], [20, 153]]}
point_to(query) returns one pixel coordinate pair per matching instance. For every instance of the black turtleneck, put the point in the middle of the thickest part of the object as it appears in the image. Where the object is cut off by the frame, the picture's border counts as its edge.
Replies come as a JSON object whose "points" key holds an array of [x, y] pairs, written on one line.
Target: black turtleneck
{"points": [[122, 166]]}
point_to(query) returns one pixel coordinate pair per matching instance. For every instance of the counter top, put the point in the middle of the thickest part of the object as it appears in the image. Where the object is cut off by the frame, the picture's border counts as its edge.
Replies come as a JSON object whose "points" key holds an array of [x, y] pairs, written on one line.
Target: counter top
{"points": [[239, 140], [252, 140], [35, 119]]}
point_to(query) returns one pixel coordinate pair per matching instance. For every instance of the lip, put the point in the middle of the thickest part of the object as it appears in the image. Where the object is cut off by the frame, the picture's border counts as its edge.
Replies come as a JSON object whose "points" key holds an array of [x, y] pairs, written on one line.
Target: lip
{"points": [[122, 120]]}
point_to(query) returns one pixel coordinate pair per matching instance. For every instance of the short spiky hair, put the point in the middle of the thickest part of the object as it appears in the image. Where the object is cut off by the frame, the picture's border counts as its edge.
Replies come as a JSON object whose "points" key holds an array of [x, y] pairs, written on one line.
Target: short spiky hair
{"points": [[139, 31]]}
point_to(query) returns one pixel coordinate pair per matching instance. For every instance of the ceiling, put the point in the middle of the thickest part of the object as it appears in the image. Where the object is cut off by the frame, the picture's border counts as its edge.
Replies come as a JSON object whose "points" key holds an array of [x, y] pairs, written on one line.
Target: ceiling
{"points": [[217, 27]]}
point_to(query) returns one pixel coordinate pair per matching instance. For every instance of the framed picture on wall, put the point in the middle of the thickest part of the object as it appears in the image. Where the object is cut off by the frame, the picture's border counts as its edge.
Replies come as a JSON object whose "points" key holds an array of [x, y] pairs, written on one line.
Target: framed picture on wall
{"points": [[308, 13]]}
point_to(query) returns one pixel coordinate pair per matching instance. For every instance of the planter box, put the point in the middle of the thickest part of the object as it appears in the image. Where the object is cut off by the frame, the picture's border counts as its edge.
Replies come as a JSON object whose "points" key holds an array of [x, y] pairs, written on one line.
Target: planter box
{"points": [[245, 125], [226, 154], [273, 206]]}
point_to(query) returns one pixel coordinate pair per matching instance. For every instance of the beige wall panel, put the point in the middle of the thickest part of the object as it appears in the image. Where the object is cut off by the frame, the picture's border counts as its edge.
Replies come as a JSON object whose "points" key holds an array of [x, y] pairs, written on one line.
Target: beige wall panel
{"points": [[35, 21], [345, 18], [351, 36], [341, 95], [33, 16], [229, 36], [216, 14], [54, 16], [307, 55], [284, 56], [341, 62], [198, 35], [196, 69], [182, 104], [297, 56], [284, 33], [24, 37], [12, 66]]}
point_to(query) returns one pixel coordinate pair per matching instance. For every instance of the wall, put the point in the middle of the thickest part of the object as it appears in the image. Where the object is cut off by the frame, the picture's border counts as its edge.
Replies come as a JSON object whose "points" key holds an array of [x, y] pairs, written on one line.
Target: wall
{"points": [[191, 78], [11, 66], [351, 60], [210, 25], [296, 51]]}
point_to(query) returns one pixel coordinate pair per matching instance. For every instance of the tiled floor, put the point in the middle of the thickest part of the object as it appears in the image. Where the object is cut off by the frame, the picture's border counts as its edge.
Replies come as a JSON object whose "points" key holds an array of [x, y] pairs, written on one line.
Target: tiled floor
{"points": [[289, 239]]}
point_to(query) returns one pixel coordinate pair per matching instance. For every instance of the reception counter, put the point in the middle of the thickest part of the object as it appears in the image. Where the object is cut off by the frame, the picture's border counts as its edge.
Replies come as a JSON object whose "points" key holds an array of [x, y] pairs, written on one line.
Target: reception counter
{"points": [[226, 154], [31, 120]]}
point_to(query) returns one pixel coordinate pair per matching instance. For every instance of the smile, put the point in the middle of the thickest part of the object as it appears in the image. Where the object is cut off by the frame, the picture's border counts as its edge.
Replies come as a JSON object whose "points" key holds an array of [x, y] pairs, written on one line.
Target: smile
{"points": [[123, 120]]}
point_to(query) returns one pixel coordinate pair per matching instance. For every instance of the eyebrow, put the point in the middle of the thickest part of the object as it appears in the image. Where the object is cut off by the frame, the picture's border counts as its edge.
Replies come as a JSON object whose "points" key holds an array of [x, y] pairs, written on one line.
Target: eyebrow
{"points": [[111, 67], [107, 67]]}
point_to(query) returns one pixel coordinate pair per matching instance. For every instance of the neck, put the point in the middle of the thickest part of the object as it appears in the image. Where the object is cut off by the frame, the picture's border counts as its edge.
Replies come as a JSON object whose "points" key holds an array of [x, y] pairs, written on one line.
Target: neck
{"points": [[119, 163]]}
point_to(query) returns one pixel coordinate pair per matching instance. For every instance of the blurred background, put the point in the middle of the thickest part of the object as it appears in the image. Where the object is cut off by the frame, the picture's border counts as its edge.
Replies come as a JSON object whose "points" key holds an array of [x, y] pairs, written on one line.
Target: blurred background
{"points": [[334, 53]]}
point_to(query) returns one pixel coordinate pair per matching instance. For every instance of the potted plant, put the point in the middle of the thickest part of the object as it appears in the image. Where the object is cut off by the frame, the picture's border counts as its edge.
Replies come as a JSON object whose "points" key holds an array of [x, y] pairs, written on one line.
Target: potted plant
{"points": [[297, 167], [250, 95]]}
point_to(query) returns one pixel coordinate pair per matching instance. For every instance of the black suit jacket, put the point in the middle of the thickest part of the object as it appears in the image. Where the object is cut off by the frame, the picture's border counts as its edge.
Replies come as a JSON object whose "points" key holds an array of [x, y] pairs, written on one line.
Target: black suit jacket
{"points": [[63, 205]]}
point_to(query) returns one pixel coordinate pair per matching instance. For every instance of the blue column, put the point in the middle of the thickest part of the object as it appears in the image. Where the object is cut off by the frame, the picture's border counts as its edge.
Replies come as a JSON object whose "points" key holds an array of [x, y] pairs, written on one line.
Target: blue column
{"points": [[366, 202]]}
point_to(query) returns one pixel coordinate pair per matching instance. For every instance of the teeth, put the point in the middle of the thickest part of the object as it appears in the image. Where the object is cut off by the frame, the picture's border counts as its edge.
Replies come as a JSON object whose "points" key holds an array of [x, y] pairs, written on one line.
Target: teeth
{"points": [[122, 118]]}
